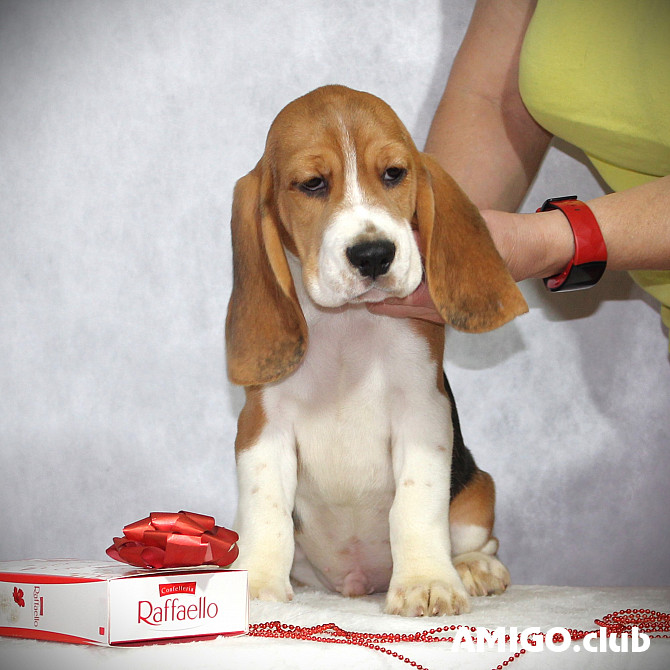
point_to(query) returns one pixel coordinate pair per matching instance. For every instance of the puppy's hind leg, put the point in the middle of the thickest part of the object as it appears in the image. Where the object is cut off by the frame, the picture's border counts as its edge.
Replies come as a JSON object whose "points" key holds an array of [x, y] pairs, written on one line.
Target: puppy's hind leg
{"points": [[471, 516]]}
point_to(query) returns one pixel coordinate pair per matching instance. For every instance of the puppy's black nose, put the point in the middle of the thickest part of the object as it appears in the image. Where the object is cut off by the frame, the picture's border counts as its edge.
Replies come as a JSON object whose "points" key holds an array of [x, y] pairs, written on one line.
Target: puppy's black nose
{"points": [[372, 259]]}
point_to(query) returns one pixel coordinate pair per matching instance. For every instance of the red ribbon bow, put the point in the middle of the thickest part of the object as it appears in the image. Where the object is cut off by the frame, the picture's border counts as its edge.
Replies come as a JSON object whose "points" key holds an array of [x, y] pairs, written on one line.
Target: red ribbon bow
{"points": [[175, 540]]}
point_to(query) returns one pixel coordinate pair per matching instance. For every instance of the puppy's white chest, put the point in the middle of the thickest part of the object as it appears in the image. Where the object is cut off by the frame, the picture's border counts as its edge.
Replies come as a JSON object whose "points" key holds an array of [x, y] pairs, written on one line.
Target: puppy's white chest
{"points": [[343, 400]]}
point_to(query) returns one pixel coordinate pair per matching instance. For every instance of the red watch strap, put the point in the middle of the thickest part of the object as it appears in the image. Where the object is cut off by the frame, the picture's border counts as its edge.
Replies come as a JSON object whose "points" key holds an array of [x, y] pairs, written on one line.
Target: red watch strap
{"points": [[590, 248]]}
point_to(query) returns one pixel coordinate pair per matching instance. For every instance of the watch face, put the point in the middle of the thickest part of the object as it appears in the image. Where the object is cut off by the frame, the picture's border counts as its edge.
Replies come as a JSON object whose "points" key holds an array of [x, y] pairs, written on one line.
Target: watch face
{"points": [[580, 276]]}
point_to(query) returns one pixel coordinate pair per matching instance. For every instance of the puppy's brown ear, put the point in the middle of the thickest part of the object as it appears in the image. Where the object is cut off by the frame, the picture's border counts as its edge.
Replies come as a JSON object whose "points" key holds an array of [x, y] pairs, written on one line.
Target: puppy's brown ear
{"points": [[467, 279], [266, 333]]}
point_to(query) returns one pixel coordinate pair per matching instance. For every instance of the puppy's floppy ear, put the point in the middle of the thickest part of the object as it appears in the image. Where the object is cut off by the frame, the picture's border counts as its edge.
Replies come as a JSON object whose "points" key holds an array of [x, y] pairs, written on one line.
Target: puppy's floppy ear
{"points": [[266, 333], [467, 279]]}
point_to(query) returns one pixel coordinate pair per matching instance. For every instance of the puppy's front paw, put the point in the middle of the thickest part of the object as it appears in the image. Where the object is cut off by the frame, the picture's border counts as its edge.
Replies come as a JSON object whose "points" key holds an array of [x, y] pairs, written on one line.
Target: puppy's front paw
{"points": [[425, 597], [265, 586]]}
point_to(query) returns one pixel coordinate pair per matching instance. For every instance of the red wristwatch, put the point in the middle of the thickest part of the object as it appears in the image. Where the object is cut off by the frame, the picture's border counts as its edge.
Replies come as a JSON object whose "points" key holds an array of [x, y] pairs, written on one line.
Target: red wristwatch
{"points": [[590, 259]]}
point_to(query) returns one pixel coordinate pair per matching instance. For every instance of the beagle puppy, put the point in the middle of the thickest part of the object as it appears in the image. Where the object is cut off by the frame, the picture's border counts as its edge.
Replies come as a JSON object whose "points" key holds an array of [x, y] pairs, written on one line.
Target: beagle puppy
{"points": [[352, 470]]}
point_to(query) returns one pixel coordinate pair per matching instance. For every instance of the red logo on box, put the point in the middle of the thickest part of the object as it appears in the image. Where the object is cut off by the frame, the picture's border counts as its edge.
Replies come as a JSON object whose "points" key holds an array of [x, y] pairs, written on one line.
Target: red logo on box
{"points": [[171, 610], [18, 597], [171, 589]]}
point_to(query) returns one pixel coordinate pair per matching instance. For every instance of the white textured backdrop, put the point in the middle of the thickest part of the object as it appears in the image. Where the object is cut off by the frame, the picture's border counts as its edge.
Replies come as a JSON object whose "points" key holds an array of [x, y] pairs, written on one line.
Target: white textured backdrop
{"points": [[123, 127]]}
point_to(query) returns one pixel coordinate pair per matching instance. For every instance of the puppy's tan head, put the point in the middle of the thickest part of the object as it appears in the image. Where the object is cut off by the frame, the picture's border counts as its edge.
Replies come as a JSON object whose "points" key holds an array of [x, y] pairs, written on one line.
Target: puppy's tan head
{"points": [[341, 187]]}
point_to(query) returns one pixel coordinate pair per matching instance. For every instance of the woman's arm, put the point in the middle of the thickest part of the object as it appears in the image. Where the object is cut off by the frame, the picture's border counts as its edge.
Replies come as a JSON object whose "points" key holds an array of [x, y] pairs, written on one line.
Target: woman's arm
{"points": [[635, 224], [482, 133]]}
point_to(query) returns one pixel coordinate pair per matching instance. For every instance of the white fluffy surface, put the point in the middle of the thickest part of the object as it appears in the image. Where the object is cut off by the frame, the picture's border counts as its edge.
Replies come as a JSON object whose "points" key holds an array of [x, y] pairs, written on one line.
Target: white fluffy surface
{"points": [[520, 606]]}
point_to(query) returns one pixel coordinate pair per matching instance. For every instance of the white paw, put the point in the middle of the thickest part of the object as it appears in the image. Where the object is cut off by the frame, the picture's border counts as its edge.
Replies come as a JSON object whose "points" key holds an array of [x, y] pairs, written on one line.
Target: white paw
{"points": [[267, 586], [426, 597], [482, 575]]}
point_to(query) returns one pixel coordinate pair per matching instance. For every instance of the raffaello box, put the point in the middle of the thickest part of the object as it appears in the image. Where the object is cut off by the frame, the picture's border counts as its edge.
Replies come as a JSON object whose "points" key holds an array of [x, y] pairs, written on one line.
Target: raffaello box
{"points": [[107, 603]]}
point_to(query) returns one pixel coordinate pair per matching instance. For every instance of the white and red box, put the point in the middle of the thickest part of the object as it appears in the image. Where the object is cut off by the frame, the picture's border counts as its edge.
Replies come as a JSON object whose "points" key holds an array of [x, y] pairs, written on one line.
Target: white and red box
{"points": [[107, 603]]}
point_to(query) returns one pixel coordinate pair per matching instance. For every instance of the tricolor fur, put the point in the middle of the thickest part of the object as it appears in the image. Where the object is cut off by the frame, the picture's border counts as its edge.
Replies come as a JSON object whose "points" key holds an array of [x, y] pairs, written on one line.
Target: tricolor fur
{"points": [[352, 472]]}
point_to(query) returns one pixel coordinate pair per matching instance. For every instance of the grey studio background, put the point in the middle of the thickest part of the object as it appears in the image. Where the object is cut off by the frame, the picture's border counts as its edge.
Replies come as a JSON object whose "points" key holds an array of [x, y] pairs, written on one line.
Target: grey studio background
{"points": [[123, 127]]}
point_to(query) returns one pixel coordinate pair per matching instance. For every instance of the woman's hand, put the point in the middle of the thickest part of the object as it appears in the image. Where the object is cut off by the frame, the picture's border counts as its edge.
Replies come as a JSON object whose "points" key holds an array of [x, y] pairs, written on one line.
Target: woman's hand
{"points": [[417, 305]]}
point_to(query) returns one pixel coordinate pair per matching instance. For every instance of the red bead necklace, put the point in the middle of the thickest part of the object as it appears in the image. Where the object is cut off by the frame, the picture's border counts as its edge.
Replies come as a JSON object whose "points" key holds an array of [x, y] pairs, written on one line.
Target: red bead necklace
{"points": [[655, 624]]}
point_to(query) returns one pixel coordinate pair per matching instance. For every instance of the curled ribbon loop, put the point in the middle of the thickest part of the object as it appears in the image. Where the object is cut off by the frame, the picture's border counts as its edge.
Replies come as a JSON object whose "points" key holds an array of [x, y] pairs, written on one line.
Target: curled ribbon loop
{"points": [[175, 540]]}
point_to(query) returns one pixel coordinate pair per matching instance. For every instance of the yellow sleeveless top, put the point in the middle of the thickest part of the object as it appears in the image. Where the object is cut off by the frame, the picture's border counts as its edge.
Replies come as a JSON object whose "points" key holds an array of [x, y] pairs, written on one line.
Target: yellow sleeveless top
{"points": [[596, 73]]}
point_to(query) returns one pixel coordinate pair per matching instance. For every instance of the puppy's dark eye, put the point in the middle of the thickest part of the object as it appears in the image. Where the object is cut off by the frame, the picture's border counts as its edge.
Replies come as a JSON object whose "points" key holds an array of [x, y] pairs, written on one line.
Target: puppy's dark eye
{"points": [[393, 176], [314, 186]]}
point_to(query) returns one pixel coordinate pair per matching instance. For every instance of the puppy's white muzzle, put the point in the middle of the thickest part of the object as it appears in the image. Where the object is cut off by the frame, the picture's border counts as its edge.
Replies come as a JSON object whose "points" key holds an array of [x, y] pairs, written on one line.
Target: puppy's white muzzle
{"points": [[366, 256]]}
